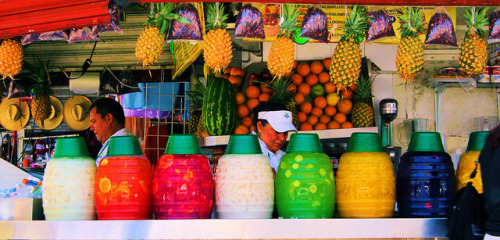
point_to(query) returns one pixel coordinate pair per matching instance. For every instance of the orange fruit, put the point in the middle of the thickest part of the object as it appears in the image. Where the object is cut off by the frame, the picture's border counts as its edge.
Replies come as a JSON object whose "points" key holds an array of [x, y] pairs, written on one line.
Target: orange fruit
{"points": [[301, 117], [312, 119], [316, 111], [347, 93], [330, 87], [320, 102], [227, 70], [327, 62], [264, 87], [324, 119], [252, 128], [344, 106], [303, 69], [292, 88], [243, 111], [235, 80], [294, 65], [264, 97], [353, 87], [312, 79], [298, 98], [252, 92], [320, 126], [317, 67], [237, 71], [304, 88], [305, 126], [288, 74], [305, 107], [346, 125], [333, 125], [241, 129], [226, 76], [330, 110], [252, 103], [323, 77], [340, 117], [240, 98], [247, 121], [296, 79]]}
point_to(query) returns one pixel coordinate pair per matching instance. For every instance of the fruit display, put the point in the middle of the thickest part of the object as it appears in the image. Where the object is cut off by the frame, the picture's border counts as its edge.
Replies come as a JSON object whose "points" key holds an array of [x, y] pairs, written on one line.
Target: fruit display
{"points": [[473, 51], [219, 113], [12, 58], [217, 50]]}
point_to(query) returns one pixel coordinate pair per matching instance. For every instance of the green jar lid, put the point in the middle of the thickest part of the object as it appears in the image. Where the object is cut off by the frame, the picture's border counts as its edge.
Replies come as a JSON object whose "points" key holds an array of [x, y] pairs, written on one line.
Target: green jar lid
{"points": [[183, 144], [243, 144], [365, 142], [304, 143], [70, 147], [426, 142], [477, 140], [124, 146]]}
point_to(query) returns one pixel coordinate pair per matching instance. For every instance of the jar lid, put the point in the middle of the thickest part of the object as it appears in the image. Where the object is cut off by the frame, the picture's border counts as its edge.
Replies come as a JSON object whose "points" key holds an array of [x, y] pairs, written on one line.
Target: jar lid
{"points": [[304, 143], [426, 142], [183, 144], [365, 142], [243, 144], [124, 146], [70, 147], [477, 140]]}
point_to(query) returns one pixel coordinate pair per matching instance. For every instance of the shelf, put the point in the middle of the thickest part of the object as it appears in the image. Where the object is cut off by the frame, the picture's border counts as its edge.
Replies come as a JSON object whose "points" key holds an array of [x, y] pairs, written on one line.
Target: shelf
{"points": [[323, 134], [227, 229], [449, 81]]}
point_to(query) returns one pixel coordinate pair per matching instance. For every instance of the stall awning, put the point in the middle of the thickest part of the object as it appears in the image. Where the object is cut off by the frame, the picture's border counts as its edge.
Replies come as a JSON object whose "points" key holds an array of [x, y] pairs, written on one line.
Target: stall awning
{"points": [[364, 2], [20, 17]]}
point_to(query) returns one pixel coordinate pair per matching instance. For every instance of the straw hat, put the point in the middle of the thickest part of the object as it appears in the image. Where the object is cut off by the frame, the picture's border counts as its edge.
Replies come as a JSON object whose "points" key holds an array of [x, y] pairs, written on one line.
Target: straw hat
{"points": [[14, 114], [76, 112], [55, 117]]}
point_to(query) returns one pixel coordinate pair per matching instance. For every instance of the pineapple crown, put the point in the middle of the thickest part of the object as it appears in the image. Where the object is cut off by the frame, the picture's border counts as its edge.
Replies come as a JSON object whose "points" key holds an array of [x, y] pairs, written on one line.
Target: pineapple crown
{"points": [[356, 24], [216, 19], [196, 95], [475, 18], [412, 22], [288, 22], [364, 89], [161, 15], [283, 94], [39, 73]]}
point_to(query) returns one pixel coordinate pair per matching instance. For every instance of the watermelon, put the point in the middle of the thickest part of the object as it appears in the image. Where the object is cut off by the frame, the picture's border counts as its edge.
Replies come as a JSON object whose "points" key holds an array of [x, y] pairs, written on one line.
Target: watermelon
{"points": [[219, 107]]}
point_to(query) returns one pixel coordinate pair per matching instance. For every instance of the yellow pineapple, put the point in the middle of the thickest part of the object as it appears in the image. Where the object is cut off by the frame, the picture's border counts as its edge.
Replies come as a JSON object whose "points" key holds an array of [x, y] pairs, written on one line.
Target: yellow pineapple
{"points": [[410, 55], [282, 53], [40, 106], [474, 52], [218, 49], [11, 58], [362, 112], [346, 60]]}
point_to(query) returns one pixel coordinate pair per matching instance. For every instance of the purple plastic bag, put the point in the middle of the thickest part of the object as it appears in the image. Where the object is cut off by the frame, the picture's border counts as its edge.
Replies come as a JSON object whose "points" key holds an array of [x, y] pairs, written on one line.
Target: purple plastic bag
{"points": [[380, 25], [53, 36], [494, 28], [314, 25], [189, 31], [441, 30], [114, 25], [249, 23], [27, 39], [82, 35]]}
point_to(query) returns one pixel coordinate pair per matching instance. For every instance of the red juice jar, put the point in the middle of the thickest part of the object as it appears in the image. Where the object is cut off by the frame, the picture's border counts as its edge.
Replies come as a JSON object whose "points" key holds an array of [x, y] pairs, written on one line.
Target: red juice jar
{"points": [[123, 182], [183, 184]]}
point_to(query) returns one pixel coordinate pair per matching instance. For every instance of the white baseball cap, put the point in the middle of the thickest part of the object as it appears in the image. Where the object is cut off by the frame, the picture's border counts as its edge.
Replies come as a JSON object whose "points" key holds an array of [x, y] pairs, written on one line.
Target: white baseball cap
{"points": [[281, 121]]}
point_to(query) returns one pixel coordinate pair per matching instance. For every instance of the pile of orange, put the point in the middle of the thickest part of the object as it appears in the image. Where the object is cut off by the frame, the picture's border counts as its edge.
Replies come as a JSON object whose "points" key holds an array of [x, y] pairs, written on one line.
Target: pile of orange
{"points": [[235, 75], [319, 103]]}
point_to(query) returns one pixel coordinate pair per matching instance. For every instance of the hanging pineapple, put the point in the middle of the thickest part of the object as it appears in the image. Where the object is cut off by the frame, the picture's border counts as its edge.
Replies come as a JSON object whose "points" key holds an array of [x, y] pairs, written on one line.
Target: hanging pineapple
{"points": [[282, 53], [346, 60], [218, 49], [11, 58], [39, 73], [410, 55], [474, 52], [152, 39], [196, 104], [362, 111], [284, 96]]}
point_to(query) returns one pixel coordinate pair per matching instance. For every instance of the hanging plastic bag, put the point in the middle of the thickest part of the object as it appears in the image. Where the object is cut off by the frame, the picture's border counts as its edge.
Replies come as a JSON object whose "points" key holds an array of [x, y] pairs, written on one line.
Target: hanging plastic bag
{"points": [[114, 25], [494, 27], [380, 25], [108, 84], [53, 36], [441, 29], [314, 25], [128, 83], [249, 23], [29, 38], [186, 31], [18, 89], [82, 35]]}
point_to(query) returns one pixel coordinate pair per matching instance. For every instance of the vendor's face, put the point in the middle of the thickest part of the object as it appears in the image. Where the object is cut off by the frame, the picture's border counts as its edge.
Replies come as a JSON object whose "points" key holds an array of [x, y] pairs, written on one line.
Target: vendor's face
{"points": [[273, 140], [99, 125]]}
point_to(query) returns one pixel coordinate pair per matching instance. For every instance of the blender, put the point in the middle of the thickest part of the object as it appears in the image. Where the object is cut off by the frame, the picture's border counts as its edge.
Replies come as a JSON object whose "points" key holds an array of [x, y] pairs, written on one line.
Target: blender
{"points": [[388, 112]]}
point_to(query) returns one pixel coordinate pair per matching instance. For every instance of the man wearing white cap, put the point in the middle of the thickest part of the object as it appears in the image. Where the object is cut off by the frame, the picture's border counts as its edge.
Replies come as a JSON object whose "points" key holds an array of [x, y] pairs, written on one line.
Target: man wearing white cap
{"points": [[272, 124]]}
